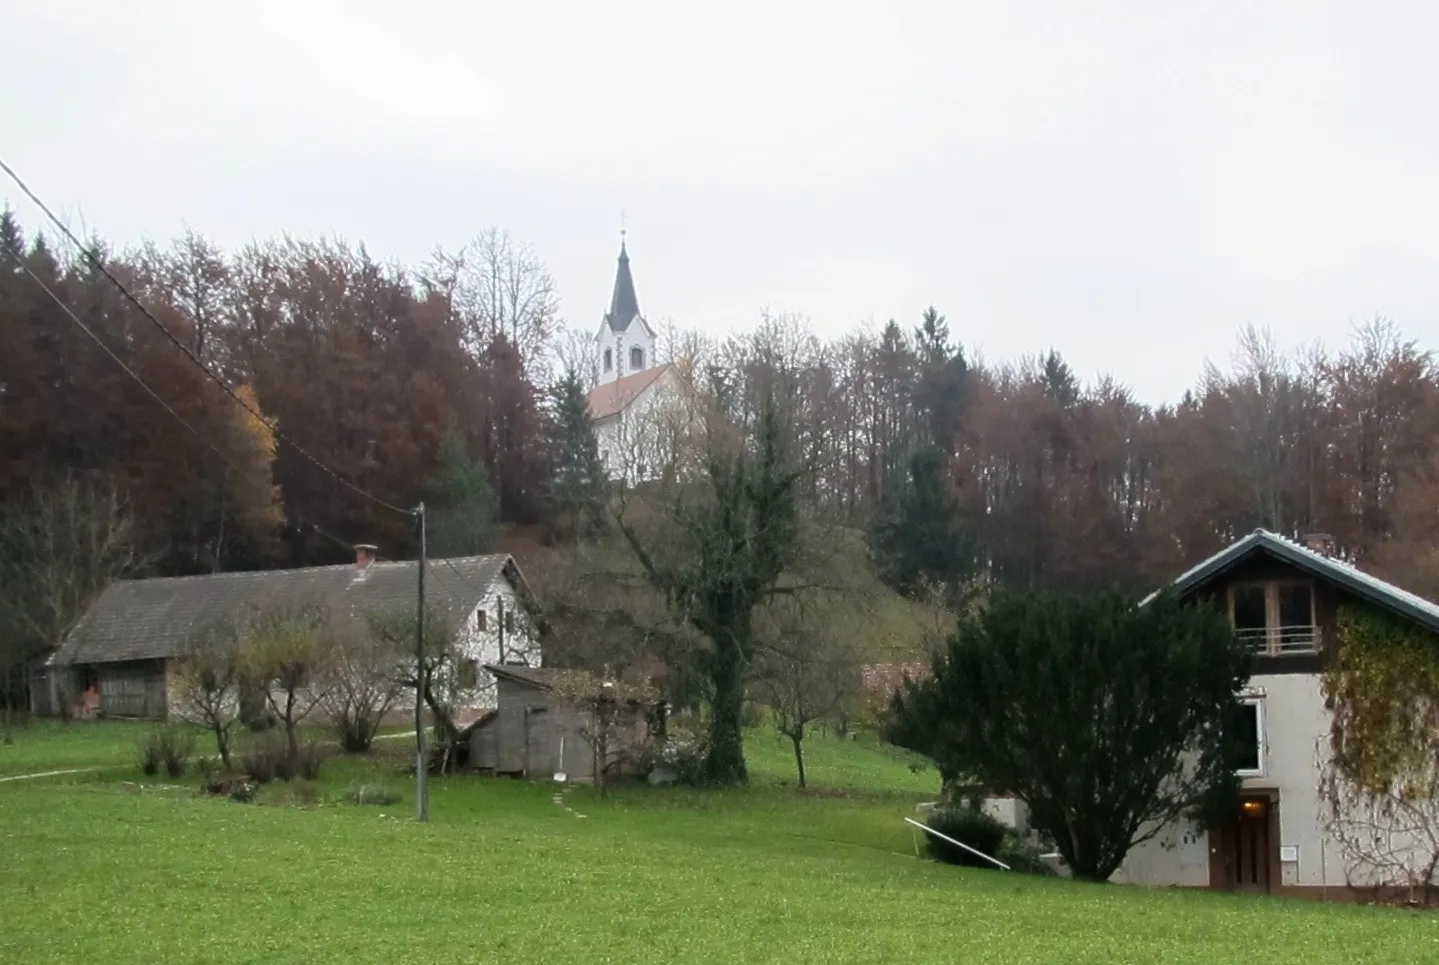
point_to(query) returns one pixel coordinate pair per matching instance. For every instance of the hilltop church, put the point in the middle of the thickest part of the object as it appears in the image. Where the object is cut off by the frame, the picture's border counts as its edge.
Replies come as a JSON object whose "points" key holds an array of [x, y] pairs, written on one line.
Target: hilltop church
{"points": [[630, 383]]}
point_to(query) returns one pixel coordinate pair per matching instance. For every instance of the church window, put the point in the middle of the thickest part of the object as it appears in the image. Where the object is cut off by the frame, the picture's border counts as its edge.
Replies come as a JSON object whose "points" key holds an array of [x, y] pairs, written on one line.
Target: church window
{"points": [[637, 358], [609, 360]]}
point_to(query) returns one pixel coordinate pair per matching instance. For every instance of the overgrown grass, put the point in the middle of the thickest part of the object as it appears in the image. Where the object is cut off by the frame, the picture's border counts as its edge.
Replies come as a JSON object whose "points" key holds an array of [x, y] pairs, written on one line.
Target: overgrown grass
{"points": [[96, 871]]}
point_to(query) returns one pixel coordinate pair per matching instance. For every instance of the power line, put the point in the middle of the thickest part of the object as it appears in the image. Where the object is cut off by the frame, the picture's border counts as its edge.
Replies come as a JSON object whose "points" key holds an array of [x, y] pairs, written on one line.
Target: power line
{"points": [[269, 424]]}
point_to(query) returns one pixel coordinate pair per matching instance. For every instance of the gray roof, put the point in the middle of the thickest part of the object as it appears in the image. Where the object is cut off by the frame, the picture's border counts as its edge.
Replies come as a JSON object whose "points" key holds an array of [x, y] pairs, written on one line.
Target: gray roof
{"points": [[534, 676], [624, 303], [156, 618], [1361, 584]]}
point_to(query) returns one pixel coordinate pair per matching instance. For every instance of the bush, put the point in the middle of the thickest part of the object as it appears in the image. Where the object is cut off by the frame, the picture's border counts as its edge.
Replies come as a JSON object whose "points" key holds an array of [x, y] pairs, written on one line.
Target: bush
{"points": [[266, 759], [177, 746], [269, 759], [244, 792], [372, 794], [309, 758], [167, 747], [974, 828], [1022, 856], [151, 755]]}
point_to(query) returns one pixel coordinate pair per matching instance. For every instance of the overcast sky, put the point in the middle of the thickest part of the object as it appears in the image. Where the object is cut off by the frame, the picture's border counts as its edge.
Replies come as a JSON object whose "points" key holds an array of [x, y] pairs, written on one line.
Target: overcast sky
{"points": [[1127, 182]]}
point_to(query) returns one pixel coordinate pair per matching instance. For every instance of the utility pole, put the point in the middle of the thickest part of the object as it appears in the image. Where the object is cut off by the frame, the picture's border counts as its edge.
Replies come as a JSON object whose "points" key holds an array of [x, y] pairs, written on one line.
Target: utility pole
{"points": [[422, 680]]}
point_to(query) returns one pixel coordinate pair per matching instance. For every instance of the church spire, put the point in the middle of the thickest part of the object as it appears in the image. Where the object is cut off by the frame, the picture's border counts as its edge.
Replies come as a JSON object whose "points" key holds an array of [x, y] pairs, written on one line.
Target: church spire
{"points": [[624, 304]]}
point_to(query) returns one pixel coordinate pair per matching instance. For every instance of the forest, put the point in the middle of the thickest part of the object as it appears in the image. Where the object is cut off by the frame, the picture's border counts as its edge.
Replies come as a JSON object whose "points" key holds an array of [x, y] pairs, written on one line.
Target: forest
{"points": [[456, 382]]}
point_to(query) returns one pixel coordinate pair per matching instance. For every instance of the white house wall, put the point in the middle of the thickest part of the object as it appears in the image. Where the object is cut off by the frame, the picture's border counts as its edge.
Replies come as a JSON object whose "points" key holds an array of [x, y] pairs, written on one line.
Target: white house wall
{"points": [[1295, 730], [483, 646]]}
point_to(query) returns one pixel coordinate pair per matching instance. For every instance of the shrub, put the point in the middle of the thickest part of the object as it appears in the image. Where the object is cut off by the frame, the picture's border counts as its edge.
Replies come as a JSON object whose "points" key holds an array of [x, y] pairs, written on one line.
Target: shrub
{"points": [[971, 826], [372, 794], [266, 759], [244, 792], [1022, 856], [177, 746], [309, 758], [151, 755], [167, 747]]}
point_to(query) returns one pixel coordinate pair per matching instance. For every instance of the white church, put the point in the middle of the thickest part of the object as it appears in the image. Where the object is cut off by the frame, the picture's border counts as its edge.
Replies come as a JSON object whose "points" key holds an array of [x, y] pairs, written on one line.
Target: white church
{"points": [[626, 400]]}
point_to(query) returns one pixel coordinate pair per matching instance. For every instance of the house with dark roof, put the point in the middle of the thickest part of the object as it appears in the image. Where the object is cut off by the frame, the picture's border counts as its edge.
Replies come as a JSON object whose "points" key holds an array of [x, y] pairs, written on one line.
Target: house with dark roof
{"points": [[1284, 598], [630, 395], [117, 660]]}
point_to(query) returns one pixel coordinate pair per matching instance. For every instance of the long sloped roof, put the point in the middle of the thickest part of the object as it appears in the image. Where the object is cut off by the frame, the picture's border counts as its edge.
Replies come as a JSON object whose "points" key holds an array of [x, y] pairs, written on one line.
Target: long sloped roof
{"points": [[614, 397], [1356, 581], [160, 618]]}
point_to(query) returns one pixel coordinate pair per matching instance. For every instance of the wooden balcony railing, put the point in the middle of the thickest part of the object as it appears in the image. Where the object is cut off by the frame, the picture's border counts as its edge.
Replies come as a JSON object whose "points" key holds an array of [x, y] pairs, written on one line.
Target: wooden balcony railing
{"points": [[1273, 641]]}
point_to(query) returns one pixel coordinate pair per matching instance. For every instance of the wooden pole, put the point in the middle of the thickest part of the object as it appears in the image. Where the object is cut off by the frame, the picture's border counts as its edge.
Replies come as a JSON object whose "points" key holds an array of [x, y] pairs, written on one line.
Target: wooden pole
{"points": [[422, 764]]}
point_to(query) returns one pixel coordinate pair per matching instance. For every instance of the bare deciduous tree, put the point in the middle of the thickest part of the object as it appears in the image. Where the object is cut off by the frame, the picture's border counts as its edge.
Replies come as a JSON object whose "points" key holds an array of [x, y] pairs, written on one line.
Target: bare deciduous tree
{"points": [[283, 654], [497, 287], [58, 550], [808, 664], [206, 686], [360, 683]]}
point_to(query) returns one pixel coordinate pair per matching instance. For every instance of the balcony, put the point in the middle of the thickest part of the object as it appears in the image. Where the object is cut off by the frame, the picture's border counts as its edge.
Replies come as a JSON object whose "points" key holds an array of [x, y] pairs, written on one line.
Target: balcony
{"points": [[1277, 641]]}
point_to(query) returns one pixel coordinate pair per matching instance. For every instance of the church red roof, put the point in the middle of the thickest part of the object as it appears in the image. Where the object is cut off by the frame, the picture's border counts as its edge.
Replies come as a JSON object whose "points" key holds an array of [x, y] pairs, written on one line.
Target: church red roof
{"points": [[613, 397]]}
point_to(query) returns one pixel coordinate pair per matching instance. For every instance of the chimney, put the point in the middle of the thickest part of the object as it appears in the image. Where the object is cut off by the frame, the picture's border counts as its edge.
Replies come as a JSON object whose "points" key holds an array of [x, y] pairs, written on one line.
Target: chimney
{"points": [[364, 555], [1321, 543]]}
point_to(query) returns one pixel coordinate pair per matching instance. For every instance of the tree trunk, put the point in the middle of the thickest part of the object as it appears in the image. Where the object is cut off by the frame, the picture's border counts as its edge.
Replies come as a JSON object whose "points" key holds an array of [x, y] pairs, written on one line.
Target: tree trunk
{"points": [[725, 761], [798, 738], [222, 744]]}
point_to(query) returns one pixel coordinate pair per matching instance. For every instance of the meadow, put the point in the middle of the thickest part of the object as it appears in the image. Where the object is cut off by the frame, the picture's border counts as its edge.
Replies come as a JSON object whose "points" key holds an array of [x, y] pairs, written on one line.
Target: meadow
{"points": [[108, 866]]}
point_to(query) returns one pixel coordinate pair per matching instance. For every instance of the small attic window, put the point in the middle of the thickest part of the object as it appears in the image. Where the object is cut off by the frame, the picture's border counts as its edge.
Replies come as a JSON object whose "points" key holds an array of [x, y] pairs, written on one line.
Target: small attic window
{"points": [[509, 621], [609, 359], [637, 358], [481, 619]]}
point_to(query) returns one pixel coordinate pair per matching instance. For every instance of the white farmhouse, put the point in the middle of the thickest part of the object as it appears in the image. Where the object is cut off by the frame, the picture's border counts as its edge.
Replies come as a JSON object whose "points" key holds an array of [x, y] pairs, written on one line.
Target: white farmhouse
{"points": [[119, 659]]}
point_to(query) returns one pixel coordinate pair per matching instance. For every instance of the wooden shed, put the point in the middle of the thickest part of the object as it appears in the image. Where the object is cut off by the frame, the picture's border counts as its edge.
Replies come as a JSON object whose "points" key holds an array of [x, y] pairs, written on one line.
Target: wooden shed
{"points": [[533, 734]]}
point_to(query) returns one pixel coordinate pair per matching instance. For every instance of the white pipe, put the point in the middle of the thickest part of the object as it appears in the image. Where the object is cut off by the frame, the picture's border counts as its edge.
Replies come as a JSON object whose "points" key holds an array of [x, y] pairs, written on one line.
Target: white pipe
{"points": [[926, 828]]}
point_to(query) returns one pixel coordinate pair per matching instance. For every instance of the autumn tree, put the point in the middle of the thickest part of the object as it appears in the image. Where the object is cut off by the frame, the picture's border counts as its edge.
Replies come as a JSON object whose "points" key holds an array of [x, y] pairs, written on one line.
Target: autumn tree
{"points": [[1108, 720]]}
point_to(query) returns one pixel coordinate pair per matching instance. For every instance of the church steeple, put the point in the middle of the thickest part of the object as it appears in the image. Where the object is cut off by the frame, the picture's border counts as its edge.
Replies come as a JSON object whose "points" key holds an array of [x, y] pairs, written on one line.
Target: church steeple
{"points": [[625, 341], [624, 304]]}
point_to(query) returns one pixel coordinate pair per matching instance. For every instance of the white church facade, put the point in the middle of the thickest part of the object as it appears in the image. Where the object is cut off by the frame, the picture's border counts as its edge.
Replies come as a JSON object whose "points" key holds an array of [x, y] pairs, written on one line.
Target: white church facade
{"points": [[630, 402]]}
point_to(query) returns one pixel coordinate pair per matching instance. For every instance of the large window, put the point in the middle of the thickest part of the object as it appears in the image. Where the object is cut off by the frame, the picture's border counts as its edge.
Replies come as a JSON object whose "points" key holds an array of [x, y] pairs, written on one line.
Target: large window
{"points": [[609, 359], [1251, 733], [1275, 617], [637, 358]]}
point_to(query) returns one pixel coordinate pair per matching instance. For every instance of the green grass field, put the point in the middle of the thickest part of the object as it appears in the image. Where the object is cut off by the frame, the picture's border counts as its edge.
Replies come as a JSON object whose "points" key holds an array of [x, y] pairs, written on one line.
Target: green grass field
{"points": [[96, 869]]}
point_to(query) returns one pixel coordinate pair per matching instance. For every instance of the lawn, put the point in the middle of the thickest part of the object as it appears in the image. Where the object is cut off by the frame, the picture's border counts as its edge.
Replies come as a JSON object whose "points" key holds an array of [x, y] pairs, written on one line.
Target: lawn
{"points": [[96, 870]]}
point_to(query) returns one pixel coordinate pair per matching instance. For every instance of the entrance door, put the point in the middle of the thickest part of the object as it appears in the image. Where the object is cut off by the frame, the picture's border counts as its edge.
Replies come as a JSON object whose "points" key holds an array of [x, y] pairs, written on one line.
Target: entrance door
{"points": [[1243, 847]]}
